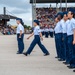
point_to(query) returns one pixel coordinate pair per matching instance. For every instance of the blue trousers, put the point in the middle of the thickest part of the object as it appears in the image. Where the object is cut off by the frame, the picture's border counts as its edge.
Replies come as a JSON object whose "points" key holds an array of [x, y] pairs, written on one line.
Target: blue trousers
{"points": [[46, 34], [34, 42], [58, 43], [72, 62], [70, 48], [51, 34], [43, 33], [73, 50], [20, 43], [65, 48]]}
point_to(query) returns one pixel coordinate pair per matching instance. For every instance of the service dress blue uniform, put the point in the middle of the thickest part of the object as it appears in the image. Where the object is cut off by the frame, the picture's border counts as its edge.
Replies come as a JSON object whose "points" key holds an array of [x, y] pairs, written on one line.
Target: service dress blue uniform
{"points": [[64, 38], [46, 32], [37, 40], [20, 39], [42, 31], [58, 39], [51, 31], [70, 32]]}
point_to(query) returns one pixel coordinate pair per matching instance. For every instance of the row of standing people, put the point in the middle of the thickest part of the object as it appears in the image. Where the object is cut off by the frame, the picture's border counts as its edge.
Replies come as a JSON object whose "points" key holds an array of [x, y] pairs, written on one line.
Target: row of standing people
{"points": [[47, 32], [65, 38]]}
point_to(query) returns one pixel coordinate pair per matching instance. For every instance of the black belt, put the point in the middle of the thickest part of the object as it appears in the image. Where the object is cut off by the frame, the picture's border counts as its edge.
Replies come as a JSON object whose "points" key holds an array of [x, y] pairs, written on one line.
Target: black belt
{"points": [[69, 35]]}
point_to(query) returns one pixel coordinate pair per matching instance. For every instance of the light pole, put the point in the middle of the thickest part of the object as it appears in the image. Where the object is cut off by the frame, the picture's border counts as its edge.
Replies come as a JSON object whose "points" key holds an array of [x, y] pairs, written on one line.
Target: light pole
{"points": [[66, 4], [33, 11], [60, 5]]}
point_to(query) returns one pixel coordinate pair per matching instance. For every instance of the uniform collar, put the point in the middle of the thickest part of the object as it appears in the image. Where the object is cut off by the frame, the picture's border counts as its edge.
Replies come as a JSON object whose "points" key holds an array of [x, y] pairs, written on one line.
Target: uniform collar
{"points": [[71, 19]]}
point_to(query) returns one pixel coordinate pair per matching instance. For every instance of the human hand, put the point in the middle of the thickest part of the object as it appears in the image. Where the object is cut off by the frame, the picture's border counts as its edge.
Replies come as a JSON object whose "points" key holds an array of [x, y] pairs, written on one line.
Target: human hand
{"points": [[73, 42], [28, 38]]}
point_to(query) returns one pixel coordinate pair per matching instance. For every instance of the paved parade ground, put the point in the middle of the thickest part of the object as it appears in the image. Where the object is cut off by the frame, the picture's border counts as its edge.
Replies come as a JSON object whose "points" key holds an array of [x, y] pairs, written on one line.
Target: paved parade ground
{"points": [[35, 64]]}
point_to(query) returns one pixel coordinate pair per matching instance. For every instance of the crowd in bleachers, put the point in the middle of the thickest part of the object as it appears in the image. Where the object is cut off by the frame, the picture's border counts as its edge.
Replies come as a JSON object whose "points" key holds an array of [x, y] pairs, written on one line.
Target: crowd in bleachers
{"points": [[46, 15], [7, 30]]}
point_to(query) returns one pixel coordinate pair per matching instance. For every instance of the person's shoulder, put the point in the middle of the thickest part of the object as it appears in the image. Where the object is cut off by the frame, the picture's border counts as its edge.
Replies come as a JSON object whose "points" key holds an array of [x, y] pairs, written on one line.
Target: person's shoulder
{"points": [[67, 21], [61, 21], [37, 27], [73, 20], [20, 25]]}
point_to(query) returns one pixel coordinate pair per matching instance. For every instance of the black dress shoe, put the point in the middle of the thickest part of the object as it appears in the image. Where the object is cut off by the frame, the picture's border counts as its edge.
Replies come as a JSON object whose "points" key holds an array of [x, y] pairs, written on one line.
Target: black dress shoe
{"points": [[47, 54], [61, 60], [18, 53], [57, 57], [73, 70], [65, 63], [71, 67], [25, 54]]}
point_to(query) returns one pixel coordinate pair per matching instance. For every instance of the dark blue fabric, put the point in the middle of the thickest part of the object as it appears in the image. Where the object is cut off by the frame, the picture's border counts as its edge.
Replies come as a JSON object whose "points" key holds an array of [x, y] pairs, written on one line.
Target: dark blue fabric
{"points": [[58, 43], [43, 33], [70, 48], [20, 43], [21, 21], [73, 50], [72, 62], [64, 46], [46, 34], [65, 13], [34, 42], [51, 34], [37, 22]]}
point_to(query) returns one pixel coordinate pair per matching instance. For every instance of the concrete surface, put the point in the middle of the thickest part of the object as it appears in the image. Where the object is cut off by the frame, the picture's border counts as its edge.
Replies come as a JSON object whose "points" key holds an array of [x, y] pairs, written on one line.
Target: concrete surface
{"points": [[35, 64]]}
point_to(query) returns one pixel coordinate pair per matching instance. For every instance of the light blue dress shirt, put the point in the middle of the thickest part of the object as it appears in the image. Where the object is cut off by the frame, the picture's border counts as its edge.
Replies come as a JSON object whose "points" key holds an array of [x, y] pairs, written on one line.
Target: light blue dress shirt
{"points": [[51, 29], [20, 28], [70, 26], [58, 28], [46, 30], [37, 30], [64, 26]]}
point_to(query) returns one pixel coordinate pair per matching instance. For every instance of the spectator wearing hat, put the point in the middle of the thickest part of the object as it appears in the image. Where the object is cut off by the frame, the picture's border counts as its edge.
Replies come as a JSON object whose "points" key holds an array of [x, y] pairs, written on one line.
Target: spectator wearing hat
{"points": [[37, 40], [20, 35]]}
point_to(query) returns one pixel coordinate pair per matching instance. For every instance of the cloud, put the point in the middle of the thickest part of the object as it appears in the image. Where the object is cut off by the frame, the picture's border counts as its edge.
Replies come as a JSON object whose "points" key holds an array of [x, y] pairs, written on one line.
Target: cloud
{"points": [[16, 3], [19, 8], [20, 11]]}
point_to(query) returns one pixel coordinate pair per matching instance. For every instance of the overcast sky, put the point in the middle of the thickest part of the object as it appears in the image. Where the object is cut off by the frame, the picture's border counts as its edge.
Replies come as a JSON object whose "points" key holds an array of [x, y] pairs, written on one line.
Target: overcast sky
{"points": [[22, 9]]}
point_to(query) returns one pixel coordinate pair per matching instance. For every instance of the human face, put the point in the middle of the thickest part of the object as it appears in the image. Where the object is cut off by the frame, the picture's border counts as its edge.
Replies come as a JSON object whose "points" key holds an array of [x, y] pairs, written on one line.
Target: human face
{"points": [[18, 22], [35, 24], [65, 17], [70, 15], [56, 20]]}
